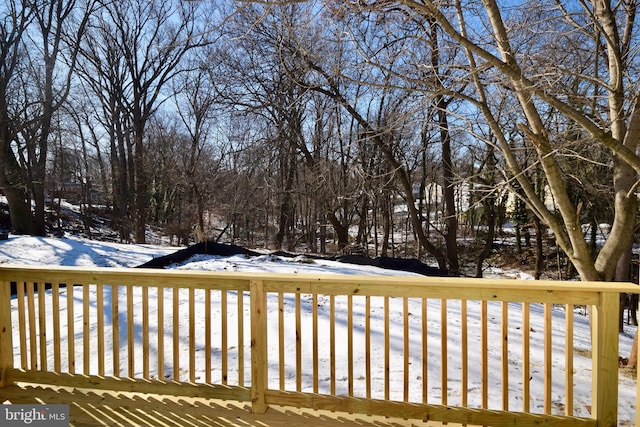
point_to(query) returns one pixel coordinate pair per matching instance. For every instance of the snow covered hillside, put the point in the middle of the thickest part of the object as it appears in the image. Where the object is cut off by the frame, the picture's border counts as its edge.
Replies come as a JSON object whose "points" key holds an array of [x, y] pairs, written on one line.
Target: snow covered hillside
{"points": [[80, 252]]}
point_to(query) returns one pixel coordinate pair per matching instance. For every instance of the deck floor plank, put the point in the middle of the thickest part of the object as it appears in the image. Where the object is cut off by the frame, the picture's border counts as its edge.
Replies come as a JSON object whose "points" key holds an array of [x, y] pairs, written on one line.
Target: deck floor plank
{"points": [[89, 407]]}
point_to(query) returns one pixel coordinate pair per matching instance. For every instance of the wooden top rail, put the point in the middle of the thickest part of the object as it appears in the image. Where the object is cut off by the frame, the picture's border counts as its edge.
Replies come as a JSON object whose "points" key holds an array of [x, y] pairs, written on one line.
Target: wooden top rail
{"points": [[513, 290]]}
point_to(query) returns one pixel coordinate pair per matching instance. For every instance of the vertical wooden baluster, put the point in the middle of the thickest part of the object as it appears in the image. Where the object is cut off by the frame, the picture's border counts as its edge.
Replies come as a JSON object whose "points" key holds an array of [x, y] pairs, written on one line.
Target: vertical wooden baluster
{"points": [[100, 319], [86, 334], [464, 349], [42, 321], [175, 308], [332, 342], [130, 334], [504, 330], [298, 344], [568, 359], [160, 303], [444, 356], [387, 359], [145, 333], [547, 357], [367, 332], [484, 350], [71, 335], [350, 344], [192, 336], [224, 336], [22, 324], [55, 306], [314, 314], [281, 339], [207, 335], [31, 305], [526, 357], [241, 338], [425, 353], [115, 325], [405, 311]]}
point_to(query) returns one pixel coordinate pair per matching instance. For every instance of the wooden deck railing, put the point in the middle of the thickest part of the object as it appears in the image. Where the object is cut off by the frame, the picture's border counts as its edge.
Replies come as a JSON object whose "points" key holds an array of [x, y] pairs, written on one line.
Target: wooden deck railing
{"points": [[411, 347]]}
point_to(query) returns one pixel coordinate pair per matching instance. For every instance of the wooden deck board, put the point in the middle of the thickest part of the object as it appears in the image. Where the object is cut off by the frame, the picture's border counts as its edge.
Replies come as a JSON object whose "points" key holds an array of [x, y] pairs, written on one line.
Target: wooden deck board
{"points": [[89, 407]]}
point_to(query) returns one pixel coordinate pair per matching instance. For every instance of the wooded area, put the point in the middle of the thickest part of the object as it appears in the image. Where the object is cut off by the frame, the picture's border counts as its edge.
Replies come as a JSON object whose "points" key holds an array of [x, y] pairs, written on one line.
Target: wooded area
{"points": [[325, 126]]}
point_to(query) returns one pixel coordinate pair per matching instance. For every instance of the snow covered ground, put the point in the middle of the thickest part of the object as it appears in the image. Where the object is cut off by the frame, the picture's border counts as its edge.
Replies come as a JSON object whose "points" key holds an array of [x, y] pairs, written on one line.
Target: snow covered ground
{"points": [[80, 252]]}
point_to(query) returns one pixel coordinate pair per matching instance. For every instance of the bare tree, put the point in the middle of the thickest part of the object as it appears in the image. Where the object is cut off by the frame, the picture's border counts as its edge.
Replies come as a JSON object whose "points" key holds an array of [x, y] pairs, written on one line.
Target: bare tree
{"points": [[103, 72], [267, 89], [60, 31], [38, 38], [152, 37], [195, 96], [16, 17], [334, 70]]}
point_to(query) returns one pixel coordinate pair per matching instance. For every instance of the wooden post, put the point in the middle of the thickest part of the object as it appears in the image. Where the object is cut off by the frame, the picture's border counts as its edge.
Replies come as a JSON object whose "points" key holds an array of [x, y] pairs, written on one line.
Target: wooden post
{"points": [[605, 360], [6, 333], [637, 349], [259, 365]]}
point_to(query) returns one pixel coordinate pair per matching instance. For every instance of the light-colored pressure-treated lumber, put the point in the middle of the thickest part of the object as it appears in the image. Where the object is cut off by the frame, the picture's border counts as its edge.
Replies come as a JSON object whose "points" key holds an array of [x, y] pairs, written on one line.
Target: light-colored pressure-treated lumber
{"points": [[548, 352], [100, 322], [6, 332], [605, 360], [568, 365], [259, 350], [33, 335], [42, 327], [34, 346], [55, 301], [526, 357], [21, 321]]}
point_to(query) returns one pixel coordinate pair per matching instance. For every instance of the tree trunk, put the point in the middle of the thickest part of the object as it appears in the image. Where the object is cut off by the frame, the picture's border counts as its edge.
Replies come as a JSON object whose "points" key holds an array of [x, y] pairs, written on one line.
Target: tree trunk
{"points": [[40, 228], [140, 186], [341, 231], [363, 223], [451, 218], [393, 163], [123, 190], [14, 188], [387, 225], [489, 205], [450, 214], [19, 210], [539, 248], [286, 211]]}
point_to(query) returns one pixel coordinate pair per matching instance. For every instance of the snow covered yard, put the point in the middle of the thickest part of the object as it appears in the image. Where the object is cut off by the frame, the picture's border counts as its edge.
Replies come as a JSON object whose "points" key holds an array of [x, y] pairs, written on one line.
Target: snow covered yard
{"points": [[74, 252]]}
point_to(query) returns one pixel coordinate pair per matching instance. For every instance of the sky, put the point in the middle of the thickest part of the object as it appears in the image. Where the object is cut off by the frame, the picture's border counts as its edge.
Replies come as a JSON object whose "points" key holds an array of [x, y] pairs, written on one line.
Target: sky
{"points": [[74, 251]]}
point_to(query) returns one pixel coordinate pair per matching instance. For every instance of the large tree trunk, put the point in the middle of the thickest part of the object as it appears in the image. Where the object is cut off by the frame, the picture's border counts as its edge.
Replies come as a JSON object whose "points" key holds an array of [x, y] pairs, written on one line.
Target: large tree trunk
{"points": [[19, 210], [40, 228], [341, 231], [123, 190], [40, 164], [140, 184], [14, 188]]}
